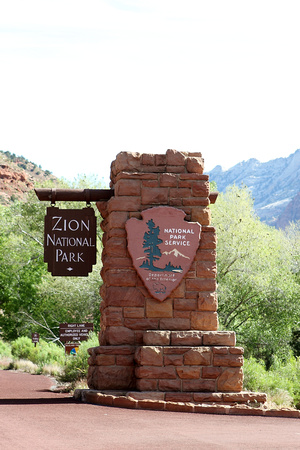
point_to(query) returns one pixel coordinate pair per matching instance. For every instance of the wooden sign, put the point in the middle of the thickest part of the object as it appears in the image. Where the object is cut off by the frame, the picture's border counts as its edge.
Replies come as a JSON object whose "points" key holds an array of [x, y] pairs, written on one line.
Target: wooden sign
{"points": [[162, 246], [75, 332], [70, 241]]}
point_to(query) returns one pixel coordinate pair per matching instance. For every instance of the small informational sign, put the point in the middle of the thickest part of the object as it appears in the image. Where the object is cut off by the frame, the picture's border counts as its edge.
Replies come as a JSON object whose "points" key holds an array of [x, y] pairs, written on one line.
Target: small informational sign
{"points": [[75, 332], [72, 349], [162, 247], [35, 338], [70, 241]]}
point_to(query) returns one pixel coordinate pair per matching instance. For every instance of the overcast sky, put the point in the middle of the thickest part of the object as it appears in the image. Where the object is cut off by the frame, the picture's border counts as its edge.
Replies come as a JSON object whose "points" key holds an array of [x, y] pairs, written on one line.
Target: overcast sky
{"points": [[81, 81]]}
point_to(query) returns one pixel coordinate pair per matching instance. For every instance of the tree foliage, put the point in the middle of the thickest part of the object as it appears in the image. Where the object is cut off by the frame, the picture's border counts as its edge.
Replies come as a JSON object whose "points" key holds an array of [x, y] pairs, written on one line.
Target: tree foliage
{"points": [[258, 276], [30, 298]]}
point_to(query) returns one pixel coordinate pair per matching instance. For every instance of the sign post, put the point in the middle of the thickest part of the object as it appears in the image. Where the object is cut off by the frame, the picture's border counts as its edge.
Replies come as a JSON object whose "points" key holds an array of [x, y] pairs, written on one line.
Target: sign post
{"points": [[35, 338], [73, 333]]}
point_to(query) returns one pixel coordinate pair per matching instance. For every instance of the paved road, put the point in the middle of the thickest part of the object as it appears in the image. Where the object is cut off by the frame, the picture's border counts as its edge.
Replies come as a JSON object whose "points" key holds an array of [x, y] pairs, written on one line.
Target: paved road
{"points": [[33, 417]]}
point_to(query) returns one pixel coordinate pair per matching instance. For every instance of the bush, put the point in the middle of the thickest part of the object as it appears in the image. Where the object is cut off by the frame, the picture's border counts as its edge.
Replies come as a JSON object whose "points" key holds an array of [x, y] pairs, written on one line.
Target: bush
{"points": [[281, 382], [43, 353], [5, 349], [76, 367]]}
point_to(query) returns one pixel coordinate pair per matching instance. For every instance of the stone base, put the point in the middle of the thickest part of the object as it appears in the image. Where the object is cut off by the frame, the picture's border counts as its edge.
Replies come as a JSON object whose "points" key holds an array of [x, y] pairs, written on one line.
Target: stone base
{"points": [[243, 403]]}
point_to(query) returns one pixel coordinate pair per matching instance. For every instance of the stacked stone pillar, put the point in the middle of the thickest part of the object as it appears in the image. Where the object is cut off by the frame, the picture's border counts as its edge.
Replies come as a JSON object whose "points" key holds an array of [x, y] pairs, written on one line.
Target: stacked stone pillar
{"points": [[171, 347]]}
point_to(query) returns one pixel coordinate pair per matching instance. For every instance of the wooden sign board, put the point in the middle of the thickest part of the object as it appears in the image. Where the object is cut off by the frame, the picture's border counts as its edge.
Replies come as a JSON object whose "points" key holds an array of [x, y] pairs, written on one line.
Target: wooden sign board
{"points": [[162, 246], [75, 332], [70, 241]]}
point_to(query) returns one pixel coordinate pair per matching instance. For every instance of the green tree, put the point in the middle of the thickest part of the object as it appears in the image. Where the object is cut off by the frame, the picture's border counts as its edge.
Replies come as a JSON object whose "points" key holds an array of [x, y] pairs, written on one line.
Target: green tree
{"points": [[257, 291], [151, 243], [30, 298]]}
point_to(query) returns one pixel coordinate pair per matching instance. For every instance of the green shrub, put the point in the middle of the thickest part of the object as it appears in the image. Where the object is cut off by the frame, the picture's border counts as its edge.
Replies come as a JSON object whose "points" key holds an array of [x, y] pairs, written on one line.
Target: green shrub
{"points": [[5, 349], [43, 353], [76, 366], [281, 382]]}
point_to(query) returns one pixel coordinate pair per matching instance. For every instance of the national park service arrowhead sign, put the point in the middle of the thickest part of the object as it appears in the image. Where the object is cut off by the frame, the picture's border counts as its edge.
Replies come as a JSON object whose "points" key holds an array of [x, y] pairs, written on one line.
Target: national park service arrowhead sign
{"points": [[162, 247]]}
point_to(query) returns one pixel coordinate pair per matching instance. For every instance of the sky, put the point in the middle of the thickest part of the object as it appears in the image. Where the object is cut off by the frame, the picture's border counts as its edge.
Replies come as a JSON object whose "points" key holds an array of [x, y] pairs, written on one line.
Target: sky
{"points": [[81, 81]]}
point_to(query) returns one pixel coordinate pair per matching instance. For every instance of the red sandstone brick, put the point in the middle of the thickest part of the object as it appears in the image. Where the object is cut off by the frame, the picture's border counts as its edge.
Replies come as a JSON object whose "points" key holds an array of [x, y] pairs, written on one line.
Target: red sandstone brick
{"points": [[211, 372], [178, 397], [168, 180], [169, 385], [175, 158], [174, 324], [179, 406], [175, 202], [219, 338], [231, 380], [201, 356], [195, 202], [155, 405], [155, 372], [228, 360], [198, 385], [105, 360], [117, 219], [113, 316], [203, 397], [160, 160], [112, 262], [206, 255], [156, 337], [176, 350], [175, 169], [200, 188], [182, 315], [116, 246], [99, 399], [208, 240], [141, 324], [204, 320], [200, 284], [138, 337], [282, 413], [173, 360], [150, 183], [125, 360], [111, 377], [122, 296], [207, 301], [125, 402], [194, 176], [188, 372], [158, 309], [191, 338], [124, 203], [149, 356], [153, 196], [206, 269], [211, 409], [195, 165], [147, 385], [180, 193], [134, 312], [128, 188], [243, 410], [119, 335], [236, 350], [148, 159], [220, 350], [115, 232], [120, 277]]}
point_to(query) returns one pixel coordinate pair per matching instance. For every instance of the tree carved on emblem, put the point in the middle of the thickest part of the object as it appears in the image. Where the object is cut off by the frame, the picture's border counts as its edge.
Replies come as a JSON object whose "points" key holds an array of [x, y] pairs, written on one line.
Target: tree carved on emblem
{"points": [[151, 245]]}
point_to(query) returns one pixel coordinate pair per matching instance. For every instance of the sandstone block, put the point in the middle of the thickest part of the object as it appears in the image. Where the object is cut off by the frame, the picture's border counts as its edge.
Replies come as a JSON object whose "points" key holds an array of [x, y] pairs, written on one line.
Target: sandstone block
{"points": [[155, 405], [154, 196], [206, 269], [184, 304], [147, 385], [148, 159], [156, 337], [230, 380], [175, 324], [119, 336], [132, 312], [179, 406], [201, 356], [178, 397], [141, 324], [160, 160], [188, 372], [200, 188], [158, 309], [175, 158], [198, 385], [201, 284], [186, 338], [173, 360], [117, 219], [111, 377], [124, 296], [125, 402], [195, 164], [207, 301], [180, 192], [204, 320], [219, 338], [228, 360], [125, 360], [149, 356], [155, 372], [204, 397], [116, 246], [128, 188], [120, 277], [208, 239], [123, 203], [169, 385], [113, 316], [168, 180], [211, 372]]}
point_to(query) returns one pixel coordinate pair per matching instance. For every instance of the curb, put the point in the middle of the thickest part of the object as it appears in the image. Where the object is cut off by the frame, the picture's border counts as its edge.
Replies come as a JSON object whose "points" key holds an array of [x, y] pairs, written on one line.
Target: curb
{"points": [[126, 401]]}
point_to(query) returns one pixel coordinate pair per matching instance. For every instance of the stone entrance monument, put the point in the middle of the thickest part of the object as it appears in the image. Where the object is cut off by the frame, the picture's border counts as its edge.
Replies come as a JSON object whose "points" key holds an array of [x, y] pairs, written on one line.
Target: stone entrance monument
{"points": [[159, 334]]}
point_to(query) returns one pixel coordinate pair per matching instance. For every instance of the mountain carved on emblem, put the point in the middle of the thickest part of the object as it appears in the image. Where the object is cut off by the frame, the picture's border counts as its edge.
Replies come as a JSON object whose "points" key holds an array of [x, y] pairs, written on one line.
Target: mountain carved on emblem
{"points": [[176, 253]]}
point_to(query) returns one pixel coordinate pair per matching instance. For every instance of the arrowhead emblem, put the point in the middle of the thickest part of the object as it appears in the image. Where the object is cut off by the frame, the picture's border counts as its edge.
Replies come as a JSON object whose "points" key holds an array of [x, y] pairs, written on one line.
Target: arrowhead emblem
{"points": [[162, 247]]}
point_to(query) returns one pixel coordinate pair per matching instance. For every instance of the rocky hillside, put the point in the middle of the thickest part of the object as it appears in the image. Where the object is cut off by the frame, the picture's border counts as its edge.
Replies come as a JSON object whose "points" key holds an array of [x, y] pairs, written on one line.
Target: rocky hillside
{"points": [[275, 186], [18, 176]]}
